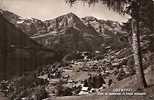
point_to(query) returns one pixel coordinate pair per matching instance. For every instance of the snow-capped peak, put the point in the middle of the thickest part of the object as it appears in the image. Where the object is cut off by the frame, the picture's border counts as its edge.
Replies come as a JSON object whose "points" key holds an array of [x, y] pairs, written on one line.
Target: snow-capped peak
{"points": [[20, 21]]}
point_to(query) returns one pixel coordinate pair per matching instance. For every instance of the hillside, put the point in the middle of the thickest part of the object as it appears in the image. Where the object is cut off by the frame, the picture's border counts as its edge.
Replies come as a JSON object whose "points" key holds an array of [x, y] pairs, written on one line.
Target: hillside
{"points": [[19, 53]]}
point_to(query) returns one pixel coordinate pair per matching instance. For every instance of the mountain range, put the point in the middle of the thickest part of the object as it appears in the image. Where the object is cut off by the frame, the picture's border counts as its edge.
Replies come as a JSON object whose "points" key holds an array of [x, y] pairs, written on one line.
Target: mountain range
{"points": [[71, 33]]}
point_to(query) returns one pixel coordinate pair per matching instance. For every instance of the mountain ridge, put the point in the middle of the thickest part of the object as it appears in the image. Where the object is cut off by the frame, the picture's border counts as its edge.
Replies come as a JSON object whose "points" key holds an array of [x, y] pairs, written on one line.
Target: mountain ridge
{"points": [[67, 20]]}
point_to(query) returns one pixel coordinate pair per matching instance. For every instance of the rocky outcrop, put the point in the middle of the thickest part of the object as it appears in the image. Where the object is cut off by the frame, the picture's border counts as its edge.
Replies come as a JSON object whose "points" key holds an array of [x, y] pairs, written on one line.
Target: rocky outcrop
{"points": [[65, 21]]}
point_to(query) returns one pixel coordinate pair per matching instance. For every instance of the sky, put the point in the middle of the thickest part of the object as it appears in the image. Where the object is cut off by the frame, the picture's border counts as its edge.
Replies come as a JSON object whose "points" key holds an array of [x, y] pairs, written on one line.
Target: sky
{"points": [[49, 9]]}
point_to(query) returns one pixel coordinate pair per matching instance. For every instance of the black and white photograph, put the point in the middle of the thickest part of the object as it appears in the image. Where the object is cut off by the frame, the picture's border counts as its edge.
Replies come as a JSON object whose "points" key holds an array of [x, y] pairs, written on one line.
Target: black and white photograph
{"points": [[76, 49]]}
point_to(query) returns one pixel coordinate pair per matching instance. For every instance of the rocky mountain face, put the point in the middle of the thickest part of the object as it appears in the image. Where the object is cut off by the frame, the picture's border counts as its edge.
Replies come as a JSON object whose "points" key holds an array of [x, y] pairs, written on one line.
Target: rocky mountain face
{"points": [[65, 21]]}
